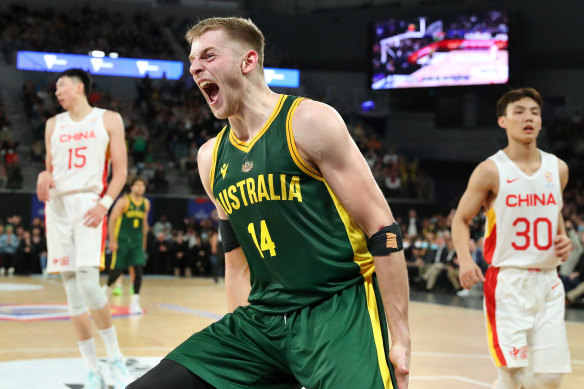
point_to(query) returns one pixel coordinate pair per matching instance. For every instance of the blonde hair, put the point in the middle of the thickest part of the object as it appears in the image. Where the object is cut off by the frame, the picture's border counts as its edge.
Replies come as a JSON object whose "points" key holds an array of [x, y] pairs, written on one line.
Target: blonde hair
{"points": [[240, 29]]}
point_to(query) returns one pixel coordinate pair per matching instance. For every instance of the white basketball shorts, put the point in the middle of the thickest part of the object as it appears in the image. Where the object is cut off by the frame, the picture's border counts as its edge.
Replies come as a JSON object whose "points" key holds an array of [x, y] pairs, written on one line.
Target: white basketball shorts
{"points": [[524, 311], [70, 244]]}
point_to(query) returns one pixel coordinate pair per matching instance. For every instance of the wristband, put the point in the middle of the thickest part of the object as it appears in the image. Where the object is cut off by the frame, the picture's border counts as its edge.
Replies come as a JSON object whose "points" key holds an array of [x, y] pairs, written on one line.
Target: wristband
{"points": [[106, 201]]}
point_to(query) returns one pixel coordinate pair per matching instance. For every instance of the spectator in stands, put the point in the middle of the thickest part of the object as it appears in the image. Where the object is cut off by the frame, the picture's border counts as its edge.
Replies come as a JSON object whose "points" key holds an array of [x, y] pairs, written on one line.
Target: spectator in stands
{"points": [[435, 259], [40, 247], [8, 247], [162, 226], [159, 180], [414, 226], [574, 283], [179, 256], [26, 256], [160, 262], [37, 152]]}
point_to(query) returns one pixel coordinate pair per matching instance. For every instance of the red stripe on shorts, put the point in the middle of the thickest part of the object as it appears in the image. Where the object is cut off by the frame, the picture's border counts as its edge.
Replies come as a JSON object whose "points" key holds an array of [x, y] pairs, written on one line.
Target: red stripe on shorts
{"points": [[490, 305]]}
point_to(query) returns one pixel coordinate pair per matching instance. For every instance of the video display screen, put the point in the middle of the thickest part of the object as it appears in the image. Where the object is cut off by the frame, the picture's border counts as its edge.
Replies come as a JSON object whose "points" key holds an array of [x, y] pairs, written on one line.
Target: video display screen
{"points": [[461, 49]]}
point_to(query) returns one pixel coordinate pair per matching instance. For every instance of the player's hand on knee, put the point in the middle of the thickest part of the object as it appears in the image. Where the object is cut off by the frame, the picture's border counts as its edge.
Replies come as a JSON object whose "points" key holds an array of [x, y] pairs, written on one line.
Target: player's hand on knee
{"points": [[44, 183], [94, 216], [562, 246], [470, 274]]}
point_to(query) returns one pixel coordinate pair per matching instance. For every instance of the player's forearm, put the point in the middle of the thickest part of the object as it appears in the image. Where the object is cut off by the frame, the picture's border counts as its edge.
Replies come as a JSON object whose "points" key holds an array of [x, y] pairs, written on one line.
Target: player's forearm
{"points": [[117, 183], [392, 277], [237, 281], [461, 240]]}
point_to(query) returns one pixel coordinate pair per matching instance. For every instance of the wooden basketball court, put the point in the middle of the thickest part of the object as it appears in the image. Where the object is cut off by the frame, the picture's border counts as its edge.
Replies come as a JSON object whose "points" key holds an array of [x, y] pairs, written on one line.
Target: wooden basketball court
{"points": [[448, 343]]}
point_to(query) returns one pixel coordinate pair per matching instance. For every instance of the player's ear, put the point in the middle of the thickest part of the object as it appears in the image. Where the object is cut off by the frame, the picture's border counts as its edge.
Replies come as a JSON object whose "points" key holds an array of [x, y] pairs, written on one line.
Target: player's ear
{"points": [[249, 62], [502, 122]]}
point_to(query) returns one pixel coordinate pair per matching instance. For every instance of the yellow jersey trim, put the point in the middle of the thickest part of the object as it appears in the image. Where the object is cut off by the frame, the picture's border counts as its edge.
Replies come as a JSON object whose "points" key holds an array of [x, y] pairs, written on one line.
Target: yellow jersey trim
{"points": [[246, 146], [361, 254], [377, 333], [298, 160], [133, 202], [491, 221], [214, 157]]}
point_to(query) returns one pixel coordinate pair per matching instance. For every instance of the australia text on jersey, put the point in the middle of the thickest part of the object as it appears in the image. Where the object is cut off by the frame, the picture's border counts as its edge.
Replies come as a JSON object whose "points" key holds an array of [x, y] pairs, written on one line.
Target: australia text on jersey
{"points": [[255, 190]]}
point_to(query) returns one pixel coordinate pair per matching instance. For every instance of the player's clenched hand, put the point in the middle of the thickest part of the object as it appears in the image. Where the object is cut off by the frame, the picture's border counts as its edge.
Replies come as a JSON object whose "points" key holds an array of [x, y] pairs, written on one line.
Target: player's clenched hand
{"points": [[94, 216], [470, 274], [399, 356], [562, 246], [113, 245], [44, 183]]}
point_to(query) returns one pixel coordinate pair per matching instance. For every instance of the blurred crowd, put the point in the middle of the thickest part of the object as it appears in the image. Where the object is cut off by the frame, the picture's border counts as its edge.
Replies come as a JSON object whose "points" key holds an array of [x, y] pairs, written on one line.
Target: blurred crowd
{"points": [[192, 248], [10, 167], [83, 28], [189, 248]]}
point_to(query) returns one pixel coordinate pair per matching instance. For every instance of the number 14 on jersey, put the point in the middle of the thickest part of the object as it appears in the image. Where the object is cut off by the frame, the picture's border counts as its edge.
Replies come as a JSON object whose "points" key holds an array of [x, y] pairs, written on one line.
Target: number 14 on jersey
{"points": [[265, 243]]}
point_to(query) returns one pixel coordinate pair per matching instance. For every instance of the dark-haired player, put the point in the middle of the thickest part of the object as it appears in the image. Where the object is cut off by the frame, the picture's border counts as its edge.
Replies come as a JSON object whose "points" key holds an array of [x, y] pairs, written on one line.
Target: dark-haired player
{"points": [[80, 143]]}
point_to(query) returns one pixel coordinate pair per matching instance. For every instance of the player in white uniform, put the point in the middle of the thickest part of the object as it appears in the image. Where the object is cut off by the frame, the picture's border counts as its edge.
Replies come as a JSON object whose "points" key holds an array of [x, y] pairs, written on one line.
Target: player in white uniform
{"points": [[520, 187], [79, 143]]}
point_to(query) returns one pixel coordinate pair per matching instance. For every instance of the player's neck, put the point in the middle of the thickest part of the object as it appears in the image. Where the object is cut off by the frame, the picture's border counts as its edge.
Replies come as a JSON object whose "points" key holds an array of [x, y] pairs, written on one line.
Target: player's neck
{"points": [[80, 110], [522, 152], [256, 109], [135, 198]]}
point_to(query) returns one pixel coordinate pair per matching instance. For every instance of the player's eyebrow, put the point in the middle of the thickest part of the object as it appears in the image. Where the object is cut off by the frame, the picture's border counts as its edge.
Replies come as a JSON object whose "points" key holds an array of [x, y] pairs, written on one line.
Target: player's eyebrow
{"points": [[201, 53]]}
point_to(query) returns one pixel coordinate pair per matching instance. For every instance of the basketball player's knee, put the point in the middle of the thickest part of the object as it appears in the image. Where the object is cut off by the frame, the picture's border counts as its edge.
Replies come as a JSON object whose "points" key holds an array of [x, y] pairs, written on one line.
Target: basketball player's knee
{"points": [[547, 380], [88, 281], [75, 300], [510, 377]]}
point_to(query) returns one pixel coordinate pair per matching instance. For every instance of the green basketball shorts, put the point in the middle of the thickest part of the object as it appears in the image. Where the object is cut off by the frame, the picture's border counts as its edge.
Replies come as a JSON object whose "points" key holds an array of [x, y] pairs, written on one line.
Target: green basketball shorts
{"points": [[340, 343]]}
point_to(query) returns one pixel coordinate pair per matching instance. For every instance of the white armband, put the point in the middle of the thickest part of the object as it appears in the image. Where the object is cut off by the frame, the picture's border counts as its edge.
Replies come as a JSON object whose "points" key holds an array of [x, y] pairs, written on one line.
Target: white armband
{"points": [[106, 201]]}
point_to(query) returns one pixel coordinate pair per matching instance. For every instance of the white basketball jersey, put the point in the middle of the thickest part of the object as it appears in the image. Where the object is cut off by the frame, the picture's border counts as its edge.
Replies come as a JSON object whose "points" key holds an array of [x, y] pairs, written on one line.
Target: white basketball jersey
{"points": [[523, 221], [79, 154]]}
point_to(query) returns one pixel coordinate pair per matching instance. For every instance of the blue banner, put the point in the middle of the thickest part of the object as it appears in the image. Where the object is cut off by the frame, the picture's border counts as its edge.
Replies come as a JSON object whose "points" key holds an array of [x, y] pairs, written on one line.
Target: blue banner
{"points": [[103, 66], [202, 208], [287, 78]]}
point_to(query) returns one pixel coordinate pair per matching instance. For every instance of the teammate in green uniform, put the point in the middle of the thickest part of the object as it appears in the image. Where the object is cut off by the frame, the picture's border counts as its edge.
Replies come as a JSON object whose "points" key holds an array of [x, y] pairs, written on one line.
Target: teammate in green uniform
{"points": [[314, 258], [128, 228]]}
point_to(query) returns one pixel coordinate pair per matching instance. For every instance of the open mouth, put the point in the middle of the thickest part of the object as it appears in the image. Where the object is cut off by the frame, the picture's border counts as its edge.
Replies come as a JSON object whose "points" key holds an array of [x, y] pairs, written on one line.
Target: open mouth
{"points": [[211, 90], [528, 129]]}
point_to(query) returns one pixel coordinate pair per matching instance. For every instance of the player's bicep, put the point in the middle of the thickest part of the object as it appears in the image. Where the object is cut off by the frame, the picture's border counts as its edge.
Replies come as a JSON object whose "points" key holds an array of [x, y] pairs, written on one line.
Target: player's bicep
{"points": [[117, 144], [321, 135], [49, 129], [204, 161], [481, 184]]}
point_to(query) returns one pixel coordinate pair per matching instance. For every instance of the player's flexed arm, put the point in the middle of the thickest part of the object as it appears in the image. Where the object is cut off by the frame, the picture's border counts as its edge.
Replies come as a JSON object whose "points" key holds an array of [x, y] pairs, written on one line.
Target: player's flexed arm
{"points": [[482, 188], [45, 179], [323, 140], [237, 282], [117, 145]]}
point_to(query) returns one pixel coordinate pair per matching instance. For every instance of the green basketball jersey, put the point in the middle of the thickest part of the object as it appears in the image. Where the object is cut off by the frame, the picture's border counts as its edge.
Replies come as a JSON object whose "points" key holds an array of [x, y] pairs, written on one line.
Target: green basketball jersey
{"points": [[299, 242], [130, 225]]}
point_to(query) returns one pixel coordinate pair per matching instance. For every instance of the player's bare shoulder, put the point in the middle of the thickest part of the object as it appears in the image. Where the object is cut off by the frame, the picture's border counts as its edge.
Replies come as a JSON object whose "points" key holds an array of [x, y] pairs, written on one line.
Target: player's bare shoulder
{"points": [[113, 121], [318, 129], [205, 159], [485, 178], [564, 172], [50, 126]]}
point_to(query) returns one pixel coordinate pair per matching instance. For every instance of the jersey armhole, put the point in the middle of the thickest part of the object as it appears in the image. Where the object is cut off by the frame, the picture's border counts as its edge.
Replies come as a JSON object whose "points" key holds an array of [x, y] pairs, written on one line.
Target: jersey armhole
{"points": [[298, 160], [214, 158]]}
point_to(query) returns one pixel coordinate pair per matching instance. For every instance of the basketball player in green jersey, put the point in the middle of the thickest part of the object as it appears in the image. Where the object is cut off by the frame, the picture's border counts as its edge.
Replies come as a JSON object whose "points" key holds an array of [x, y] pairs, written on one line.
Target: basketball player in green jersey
{"points": [[314, 258], [128, 228]]}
